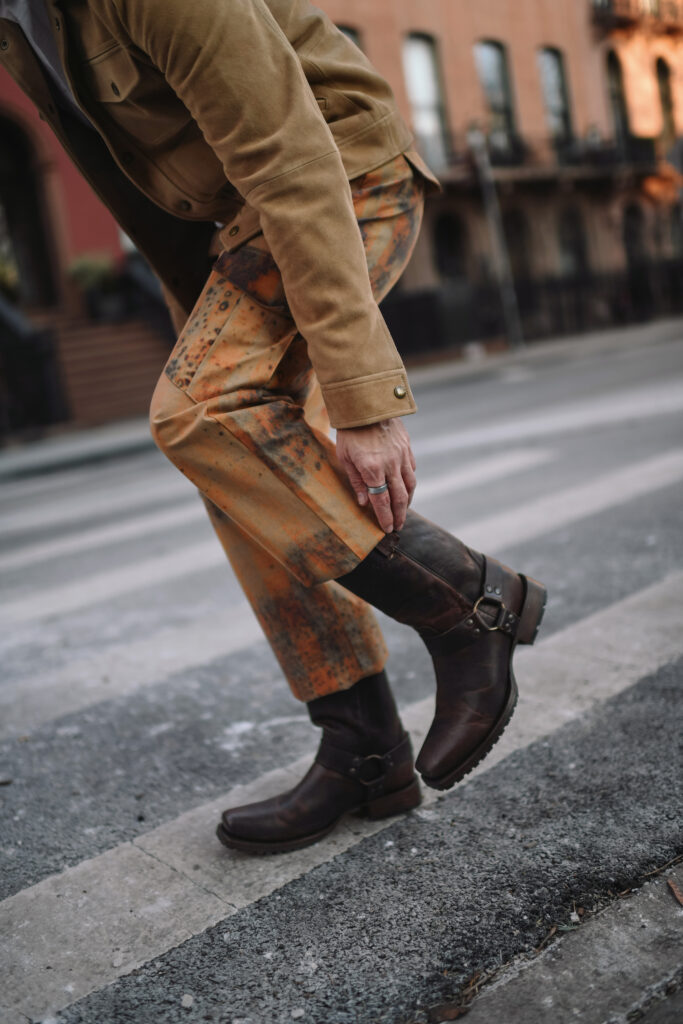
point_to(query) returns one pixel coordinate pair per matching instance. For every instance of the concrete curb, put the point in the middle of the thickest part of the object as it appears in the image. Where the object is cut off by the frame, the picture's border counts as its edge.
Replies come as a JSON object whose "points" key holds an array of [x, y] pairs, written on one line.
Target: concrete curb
{"points": [[97, 444]]}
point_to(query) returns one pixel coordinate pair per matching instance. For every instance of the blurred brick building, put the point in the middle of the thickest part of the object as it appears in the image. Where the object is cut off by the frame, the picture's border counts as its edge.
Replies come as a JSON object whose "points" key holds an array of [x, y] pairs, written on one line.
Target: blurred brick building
{"points": [[581, 103]]}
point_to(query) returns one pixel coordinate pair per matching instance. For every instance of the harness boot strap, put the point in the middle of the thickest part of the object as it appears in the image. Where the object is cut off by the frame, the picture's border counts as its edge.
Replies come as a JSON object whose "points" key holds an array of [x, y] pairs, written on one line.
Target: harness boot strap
{"points": [[370, 770]]}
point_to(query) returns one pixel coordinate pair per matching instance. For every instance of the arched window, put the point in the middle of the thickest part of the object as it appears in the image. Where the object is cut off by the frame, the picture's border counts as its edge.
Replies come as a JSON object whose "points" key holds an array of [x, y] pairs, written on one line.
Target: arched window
{"points": [[572, 242], [351, 33], [423, 82], [450, 247], [518, 240], [666, 100], [492, 67], [555, 93], [617, 98]]}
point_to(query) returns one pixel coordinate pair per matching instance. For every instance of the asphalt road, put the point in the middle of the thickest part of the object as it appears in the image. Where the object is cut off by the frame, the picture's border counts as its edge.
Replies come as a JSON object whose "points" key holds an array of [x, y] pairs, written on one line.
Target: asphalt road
{"points": [[137, 699]]}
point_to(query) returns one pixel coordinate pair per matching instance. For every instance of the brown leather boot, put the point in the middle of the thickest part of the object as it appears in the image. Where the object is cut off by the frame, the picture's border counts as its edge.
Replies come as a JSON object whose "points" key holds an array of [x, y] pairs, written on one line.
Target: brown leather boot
{"points": [[364, 765], [470, 611]]}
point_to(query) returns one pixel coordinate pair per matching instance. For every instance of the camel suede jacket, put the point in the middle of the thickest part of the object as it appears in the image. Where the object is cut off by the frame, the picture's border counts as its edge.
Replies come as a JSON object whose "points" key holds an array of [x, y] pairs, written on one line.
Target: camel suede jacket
{"points": [[251, 113]]}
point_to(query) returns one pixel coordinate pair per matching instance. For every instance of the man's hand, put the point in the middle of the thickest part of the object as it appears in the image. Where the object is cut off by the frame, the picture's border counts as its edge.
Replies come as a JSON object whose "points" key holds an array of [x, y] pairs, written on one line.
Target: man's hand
{"points": [[377, 454]]}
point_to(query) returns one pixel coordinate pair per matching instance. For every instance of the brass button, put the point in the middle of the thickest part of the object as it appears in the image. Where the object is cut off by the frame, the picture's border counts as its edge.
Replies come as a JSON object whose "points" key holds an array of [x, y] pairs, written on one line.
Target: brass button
{"points": [[4, 45], [400, 391], [233, 231]]}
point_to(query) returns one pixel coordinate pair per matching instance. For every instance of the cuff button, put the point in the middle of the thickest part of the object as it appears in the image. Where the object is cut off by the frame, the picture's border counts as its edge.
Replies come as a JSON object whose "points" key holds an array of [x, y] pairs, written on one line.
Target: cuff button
{"points": [[400, 391]]}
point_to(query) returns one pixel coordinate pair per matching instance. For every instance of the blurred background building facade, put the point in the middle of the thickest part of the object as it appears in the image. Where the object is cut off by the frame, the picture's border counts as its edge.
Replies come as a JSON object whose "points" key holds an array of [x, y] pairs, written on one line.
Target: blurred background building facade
{"points": [[577, 106]]}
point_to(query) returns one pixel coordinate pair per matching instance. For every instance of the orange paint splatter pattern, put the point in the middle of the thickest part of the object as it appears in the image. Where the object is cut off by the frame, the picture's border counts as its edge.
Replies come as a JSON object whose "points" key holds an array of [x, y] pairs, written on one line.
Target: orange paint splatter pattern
{"points": [[245, 367]]}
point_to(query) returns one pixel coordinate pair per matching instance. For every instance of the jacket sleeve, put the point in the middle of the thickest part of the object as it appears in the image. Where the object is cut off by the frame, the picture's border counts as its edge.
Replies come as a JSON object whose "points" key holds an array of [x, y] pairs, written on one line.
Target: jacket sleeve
{"points": [[236, 72]]}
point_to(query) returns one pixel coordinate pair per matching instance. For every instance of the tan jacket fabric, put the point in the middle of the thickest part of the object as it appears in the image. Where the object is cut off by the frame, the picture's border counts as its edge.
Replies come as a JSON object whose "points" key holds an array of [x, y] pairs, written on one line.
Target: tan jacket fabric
{"points": [[252, 113]]}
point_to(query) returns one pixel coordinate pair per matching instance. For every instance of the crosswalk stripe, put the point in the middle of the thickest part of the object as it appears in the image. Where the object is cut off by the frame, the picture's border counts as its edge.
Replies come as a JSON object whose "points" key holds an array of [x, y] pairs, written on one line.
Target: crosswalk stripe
{"points": [[607, 410], [108, 915], [123, 668], [471, 475], [108, 585], [554, 511], [514, 525], [83, 504], [483, 471], [154, 522]]}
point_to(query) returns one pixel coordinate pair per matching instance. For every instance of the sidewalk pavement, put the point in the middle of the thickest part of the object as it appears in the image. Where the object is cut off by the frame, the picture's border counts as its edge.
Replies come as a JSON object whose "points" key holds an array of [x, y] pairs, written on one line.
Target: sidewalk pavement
{"points": [[97, 444]]}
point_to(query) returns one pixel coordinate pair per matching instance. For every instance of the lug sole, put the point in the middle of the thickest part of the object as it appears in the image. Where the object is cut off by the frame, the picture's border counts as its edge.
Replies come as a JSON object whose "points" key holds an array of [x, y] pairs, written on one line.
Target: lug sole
{"points": [[530, 619], [387, 806]]}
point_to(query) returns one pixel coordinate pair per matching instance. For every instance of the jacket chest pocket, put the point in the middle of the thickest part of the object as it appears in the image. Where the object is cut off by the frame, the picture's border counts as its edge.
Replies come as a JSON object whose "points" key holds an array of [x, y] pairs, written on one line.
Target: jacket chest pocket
{"points": [[135, 96]]}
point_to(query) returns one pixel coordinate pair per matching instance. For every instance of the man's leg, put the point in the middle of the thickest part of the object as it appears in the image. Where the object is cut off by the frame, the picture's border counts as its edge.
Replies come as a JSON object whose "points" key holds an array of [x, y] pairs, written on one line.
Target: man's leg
{"points": [[240, 375], [324, 638], [239, 364]]}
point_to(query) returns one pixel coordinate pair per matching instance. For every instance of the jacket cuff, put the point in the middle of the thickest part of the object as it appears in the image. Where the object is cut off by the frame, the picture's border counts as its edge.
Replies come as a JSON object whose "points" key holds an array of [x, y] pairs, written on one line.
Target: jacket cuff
{"points": [[365, 400]]}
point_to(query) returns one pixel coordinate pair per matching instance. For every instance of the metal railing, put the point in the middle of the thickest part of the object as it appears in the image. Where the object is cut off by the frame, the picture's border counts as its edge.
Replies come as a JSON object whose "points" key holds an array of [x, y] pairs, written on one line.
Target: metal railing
{"points": [[667, 14], [460, 312], [451, 157], [614, 12]]}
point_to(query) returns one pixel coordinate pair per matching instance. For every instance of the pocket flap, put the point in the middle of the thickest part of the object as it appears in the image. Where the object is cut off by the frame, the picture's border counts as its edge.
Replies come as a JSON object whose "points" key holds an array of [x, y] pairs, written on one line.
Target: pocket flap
{"points": [[112, 76]]}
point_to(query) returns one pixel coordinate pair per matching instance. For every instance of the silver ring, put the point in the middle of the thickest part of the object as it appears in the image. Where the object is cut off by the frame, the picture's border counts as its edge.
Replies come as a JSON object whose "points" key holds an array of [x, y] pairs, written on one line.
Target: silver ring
{"points": [[379, 490]]}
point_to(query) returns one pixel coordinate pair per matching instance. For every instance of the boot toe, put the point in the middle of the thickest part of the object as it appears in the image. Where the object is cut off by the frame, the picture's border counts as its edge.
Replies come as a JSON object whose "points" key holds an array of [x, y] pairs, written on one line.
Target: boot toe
{"points": [[252, 821]]}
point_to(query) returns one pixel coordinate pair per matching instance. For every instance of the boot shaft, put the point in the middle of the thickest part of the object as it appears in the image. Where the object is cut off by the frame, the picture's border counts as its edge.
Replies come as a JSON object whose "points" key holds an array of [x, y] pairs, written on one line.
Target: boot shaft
{"points": [[363, 719], [422, 576]]}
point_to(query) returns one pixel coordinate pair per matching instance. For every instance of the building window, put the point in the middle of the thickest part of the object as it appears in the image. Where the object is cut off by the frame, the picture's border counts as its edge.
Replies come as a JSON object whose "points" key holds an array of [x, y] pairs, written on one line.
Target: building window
{"points": [[423, 82], [492, 68], [555, 93], [617, 98], [572, 243], [450, 247], [351, 33], [666, 99]]}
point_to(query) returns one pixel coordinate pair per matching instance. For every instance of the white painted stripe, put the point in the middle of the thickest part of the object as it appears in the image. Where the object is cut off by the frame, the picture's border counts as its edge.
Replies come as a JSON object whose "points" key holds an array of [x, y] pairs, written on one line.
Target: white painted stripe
{"points": [[12, 491], [84, 504], [483, 471], [622, 406], [120, 669], [108, 585], [106, 916], [511, 526], [524, 522], [130, 529], [471, 475], [635, 404]]}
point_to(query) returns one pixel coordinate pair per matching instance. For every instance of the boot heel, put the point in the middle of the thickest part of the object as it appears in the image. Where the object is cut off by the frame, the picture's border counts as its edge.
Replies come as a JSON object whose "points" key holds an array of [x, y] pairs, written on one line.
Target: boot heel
{"points": [[395, 803], [531, 616]]}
